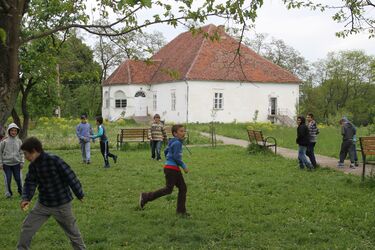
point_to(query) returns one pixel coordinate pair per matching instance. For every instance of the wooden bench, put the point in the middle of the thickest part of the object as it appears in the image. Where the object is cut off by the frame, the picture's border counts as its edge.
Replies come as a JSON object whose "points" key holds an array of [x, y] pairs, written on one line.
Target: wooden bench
{"points": [[367, 148], [132, 135], [256, 137], [168, 131]]}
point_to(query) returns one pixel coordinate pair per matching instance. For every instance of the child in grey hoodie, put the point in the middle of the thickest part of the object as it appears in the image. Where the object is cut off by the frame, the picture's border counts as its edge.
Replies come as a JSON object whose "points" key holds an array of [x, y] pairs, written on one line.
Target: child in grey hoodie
{"points": [[12, 158]]}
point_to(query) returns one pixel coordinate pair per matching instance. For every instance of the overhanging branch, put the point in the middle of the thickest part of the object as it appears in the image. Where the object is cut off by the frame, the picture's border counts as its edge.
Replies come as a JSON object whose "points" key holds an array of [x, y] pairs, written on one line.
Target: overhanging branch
{"points": [[89, 28], [5, 5]]}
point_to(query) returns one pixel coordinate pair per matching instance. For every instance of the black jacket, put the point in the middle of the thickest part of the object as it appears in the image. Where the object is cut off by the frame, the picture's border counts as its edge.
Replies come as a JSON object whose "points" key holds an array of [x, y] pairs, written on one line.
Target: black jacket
{"points": [[302, 135], [54, 179]]}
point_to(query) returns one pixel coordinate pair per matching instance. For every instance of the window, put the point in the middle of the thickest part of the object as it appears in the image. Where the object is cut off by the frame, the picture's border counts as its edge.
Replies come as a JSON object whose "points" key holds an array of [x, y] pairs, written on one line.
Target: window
{"points": [[218, 101], [173, 100], [140, 94], [106, 98], [121, 103], [120, 99], [154, 102]]}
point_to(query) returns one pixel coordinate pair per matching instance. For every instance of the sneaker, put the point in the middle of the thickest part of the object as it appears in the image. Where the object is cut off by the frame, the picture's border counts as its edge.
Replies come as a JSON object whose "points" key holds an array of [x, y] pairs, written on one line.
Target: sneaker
{"points": [[107, 166], [158, 159], [340, 165], [352, 166], [115, 159], [8, 196], [84, 162], [356, 164], [142, 201], [88, 162]]}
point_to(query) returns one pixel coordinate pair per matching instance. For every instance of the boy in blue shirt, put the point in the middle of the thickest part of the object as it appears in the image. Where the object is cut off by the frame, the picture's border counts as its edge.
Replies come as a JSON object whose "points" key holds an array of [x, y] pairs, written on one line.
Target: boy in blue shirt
{"points": [[83, 132], [103, 142], [172, 172]]}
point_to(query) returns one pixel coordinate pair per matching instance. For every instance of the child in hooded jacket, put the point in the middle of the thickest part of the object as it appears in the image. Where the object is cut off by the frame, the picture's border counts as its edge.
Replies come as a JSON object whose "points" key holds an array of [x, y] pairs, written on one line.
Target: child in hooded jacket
{"points": [[12, 159]]}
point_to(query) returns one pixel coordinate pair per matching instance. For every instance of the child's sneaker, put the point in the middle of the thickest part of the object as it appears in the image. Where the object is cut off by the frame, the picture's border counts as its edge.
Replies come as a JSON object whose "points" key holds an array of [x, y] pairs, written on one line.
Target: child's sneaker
{"points": [[88, 162], [115, 159], [340, 165], [356, 164], [142, 201], [106, 165], [352, 166]]}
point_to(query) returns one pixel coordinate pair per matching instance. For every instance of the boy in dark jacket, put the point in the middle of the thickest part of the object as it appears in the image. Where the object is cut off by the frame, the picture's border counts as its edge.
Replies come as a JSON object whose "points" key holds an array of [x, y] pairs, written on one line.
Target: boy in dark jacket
{"points": [[303, 141], [54, 179], [348, 132], [172, 172]]}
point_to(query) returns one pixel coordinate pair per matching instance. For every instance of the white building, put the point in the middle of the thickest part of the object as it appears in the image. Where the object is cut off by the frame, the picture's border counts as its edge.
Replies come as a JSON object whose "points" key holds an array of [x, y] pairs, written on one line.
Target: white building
{"points": [[195, 79]]}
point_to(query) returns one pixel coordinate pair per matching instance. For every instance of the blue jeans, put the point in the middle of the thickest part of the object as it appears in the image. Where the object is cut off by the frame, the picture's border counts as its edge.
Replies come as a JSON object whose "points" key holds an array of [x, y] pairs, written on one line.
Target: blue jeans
{"points": [[310, 153], [303, 161], [155, 146], [85, 150], [16, 172]]}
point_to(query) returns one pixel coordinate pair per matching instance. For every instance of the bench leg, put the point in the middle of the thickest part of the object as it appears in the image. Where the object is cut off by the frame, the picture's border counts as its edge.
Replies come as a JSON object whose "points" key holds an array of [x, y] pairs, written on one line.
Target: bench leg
{"points": [[364, 167]]}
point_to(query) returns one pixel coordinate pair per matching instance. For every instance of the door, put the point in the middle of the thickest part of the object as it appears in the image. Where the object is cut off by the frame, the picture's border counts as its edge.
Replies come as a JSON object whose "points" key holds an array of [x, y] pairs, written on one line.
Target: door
{"points": [[140, 104], [273, 107]]}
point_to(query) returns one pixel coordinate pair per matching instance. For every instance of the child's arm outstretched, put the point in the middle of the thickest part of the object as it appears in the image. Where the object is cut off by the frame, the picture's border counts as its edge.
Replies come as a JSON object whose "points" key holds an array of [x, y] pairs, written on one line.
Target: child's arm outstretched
{"points": [[70, 177], [29, 187], [99, 134]]}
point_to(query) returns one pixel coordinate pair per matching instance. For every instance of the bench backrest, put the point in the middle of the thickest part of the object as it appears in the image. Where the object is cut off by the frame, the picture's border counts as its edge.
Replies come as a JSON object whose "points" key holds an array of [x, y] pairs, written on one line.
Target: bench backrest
{"points": [[168, 131], [367, 145], [134, 134], [255, 135]]}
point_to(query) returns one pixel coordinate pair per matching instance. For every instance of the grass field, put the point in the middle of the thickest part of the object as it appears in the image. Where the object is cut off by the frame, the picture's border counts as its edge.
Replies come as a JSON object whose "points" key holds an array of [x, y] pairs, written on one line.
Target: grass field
{"points": [[329, 138], [237, 201]]}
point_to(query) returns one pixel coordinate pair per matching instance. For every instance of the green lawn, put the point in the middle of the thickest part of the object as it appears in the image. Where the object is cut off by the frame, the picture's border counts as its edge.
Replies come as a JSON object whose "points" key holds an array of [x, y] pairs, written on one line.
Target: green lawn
{"points": [[237, 201], [329, 138]]}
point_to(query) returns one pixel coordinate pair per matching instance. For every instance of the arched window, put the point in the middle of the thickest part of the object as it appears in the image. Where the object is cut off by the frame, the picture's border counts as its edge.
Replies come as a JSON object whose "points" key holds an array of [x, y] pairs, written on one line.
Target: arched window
{"points": [[120, 99], [140, 93], [106, 99]]}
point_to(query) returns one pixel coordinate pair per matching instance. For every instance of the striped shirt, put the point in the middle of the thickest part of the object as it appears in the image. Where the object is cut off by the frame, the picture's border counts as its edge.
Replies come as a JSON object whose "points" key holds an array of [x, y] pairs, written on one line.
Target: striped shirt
{"points": [[313, 131], [54, 179], [157, 132]]}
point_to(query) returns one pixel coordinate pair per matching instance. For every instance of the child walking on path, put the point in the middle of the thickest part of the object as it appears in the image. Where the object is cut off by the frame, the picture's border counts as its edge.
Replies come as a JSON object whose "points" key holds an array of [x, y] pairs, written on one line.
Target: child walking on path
{"points": [[12, 159], [313, 134], [172, 172], [303, 141], [83, 132], [54, 179], [156, 136], [348, 132], [104, 149]]}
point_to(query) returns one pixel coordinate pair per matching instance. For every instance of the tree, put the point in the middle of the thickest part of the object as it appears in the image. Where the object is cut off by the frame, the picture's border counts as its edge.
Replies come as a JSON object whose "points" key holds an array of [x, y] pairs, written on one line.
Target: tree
{"points": [[356, 15], [344, 84], [27, 20]]}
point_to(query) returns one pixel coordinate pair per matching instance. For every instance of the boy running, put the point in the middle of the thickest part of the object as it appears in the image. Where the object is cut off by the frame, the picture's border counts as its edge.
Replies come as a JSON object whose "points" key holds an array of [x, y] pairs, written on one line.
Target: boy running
{"points": [[54, 179], [172, 172], [103, 142]]}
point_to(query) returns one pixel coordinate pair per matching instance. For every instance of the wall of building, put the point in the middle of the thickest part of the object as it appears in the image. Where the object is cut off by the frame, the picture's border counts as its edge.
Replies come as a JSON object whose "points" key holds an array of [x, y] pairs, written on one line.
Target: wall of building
{"points": [[240, 100]]}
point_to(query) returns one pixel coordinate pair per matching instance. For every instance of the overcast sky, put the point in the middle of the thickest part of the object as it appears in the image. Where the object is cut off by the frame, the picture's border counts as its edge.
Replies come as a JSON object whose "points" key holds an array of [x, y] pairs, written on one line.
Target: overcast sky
{"points": [[312, 33]]}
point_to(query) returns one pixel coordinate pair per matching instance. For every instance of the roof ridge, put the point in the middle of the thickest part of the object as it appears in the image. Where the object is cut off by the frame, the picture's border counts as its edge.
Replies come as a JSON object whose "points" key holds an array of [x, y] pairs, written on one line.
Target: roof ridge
{"points": [[199, 50]]}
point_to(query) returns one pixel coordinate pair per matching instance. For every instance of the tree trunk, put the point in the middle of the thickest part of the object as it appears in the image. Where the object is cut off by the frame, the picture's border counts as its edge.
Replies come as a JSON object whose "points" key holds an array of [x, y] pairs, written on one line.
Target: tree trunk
{"points": [[10, 21]]}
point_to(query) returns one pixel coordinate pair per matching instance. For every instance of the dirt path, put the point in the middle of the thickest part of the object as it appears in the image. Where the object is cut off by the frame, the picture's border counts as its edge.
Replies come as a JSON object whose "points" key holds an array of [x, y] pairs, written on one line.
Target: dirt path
{"points": [[322, 160]]}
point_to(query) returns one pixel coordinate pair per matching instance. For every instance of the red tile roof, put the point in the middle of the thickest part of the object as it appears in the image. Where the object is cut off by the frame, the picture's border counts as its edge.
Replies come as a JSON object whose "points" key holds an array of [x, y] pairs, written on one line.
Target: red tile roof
{"points": [[194, 57]]}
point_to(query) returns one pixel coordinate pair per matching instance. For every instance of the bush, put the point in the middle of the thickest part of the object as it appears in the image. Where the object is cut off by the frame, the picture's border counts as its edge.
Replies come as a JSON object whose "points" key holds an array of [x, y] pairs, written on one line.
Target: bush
{"points": [[253, 148]]}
